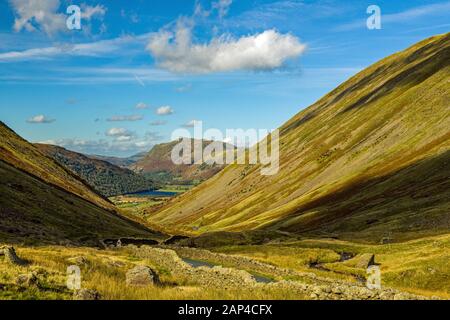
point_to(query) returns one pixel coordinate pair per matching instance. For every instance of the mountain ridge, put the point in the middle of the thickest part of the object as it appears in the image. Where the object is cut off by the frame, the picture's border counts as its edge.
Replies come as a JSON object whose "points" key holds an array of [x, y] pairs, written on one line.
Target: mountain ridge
{"points": [[106, 178], [385, 119]]}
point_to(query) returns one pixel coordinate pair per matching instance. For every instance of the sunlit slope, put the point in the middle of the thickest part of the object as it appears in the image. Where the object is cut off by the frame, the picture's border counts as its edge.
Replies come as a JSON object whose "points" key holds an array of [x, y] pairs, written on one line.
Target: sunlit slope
{"points": [[158, 164], [23, 155], [370, 159]]}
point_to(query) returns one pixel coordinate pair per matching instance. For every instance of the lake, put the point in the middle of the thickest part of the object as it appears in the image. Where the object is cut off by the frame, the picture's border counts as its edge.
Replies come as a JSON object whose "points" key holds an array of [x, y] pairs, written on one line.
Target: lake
{"points": [[154, 193]]}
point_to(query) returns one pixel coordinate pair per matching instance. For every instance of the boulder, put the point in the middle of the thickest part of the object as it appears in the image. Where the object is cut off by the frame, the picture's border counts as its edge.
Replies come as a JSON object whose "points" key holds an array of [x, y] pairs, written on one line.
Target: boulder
{"points": [[27, 280], [86, 294], [11, 256], [141, 276]]}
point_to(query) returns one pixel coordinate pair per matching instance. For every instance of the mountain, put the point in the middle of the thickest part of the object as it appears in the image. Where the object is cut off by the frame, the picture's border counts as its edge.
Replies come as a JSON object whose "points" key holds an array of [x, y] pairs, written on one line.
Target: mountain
{"points": [[103, 176], [120, 162], [42, 202], [158, 165], [370, 159]]}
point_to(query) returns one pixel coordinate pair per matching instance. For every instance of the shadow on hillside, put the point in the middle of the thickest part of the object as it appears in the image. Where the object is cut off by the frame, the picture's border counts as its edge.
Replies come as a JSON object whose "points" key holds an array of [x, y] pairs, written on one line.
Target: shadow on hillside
{"points": [[413, 199]]}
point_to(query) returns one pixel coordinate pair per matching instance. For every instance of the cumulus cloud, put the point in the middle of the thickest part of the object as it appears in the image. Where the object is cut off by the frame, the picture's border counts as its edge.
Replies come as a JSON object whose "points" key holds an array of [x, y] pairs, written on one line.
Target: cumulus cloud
{"points": [[164, 111], [142, 106], [43, 15], [176, 51], [120, 134], [124, 143], [114, 148], [31, 15], [134, 117], [40, 119]]}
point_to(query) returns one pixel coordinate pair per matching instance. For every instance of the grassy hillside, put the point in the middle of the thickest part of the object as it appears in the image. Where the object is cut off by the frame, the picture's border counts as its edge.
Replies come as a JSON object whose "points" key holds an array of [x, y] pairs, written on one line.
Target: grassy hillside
{"points": [[24, 156], [158, 165], [41, 202], [107, 179], [369, 160]]}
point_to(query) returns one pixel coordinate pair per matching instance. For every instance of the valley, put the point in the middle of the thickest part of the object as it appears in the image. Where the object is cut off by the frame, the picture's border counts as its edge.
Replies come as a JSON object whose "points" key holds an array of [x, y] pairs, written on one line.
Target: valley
{"points": [[364, 181]]}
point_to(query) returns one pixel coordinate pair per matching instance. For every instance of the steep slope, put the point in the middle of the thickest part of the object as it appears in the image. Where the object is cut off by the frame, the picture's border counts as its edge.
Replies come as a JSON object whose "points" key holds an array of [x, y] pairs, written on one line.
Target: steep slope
{"points": [[104, 177], [24, 156], [371, 159], [42, 202], [158, 165]]}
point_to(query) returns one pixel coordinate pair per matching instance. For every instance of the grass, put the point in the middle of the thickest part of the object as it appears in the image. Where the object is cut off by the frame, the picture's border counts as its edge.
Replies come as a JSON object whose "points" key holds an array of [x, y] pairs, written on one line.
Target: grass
{"points": [[419, 266], [51, 262]]}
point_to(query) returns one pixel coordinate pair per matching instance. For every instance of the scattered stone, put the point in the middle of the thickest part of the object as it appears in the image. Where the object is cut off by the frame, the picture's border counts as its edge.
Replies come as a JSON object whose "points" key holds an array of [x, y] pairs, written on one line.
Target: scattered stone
{"points": [[141, 276], [79, 261], [401, 296], [11, 256], [86, 294], [115, 263], [27, 280]]}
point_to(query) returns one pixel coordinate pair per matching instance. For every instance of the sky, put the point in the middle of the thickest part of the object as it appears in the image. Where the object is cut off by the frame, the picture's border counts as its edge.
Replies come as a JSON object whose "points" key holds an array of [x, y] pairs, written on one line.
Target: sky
{"points": [[138, 70]]}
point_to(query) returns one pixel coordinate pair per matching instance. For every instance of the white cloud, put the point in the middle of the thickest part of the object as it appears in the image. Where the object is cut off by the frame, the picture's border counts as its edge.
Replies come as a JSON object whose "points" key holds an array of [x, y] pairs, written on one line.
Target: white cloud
{"points": [[33, 15], [38, 15], [114, 132], [142, 106], [115, 148], [125, 118], [88, 12], [40, 119], [176, 52], [164, 111], [222, 6], [123, 45]]}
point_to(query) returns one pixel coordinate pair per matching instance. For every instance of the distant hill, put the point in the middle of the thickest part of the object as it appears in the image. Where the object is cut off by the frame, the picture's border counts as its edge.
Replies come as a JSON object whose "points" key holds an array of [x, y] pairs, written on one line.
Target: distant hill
{"points": [[120, 162], [371, 159], [158, 165], [41, 201], [106, 178]]}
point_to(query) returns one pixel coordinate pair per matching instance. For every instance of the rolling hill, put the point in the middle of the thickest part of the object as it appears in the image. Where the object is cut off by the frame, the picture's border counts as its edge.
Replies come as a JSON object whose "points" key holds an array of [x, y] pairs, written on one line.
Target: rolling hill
{"points": [[158, 165], [369, 160], [106, 178], [42, 202]]}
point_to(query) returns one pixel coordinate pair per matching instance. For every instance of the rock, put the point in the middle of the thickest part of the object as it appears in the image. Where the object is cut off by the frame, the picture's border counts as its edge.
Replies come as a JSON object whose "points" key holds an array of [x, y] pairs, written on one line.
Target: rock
{"points": [[86, 294], [79, 261], [27, 280], [11, 256], [401, 296], [141, 276], [115, 263]]}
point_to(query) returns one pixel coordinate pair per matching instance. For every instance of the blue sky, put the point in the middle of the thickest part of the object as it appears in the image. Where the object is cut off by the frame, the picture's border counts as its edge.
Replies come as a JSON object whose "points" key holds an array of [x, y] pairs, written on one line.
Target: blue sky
{"points": [[137, 70]]}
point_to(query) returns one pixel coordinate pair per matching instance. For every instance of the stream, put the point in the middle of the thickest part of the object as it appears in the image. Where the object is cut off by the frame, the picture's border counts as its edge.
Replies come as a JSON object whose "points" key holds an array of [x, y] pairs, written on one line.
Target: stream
{"points": [[198, 264]]}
